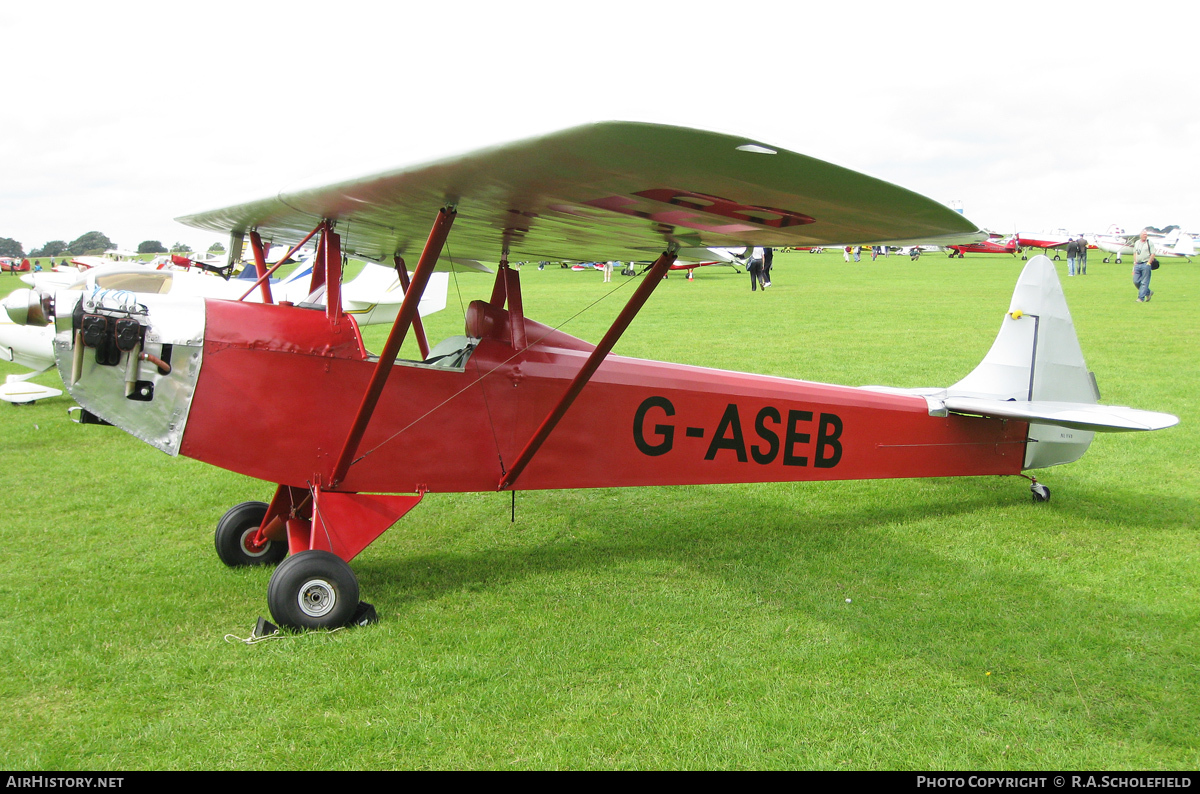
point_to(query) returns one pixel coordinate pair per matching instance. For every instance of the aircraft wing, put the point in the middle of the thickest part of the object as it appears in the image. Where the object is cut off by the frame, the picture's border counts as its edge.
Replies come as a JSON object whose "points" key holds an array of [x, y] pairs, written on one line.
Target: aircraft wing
{"points": [[1080, 416], [613, 190]]}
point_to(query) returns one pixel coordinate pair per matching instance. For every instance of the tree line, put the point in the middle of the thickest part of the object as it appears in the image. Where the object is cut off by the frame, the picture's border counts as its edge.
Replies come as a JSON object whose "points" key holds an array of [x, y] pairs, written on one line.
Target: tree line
{"points": [[89, 243]]}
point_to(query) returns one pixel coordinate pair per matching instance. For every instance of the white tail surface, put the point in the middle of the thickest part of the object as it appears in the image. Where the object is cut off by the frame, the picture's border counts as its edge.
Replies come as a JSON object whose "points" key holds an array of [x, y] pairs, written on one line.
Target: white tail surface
{"points": [[1036, 357], [1035, 372]]}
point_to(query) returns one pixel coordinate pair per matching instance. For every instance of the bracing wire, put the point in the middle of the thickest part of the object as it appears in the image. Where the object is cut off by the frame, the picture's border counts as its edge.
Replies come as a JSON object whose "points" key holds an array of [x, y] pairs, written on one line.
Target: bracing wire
{"points": [[479, 377], [487, 406]]}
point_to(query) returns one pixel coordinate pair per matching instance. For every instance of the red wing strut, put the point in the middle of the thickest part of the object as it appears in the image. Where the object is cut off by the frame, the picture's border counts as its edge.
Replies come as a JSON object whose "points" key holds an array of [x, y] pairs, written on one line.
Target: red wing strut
{"points": [[408, 310], [651, 280]]}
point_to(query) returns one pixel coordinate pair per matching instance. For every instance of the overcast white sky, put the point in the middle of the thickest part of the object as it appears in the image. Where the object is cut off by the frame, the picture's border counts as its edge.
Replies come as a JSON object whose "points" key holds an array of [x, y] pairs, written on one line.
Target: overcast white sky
{"points": [[123, 115]]}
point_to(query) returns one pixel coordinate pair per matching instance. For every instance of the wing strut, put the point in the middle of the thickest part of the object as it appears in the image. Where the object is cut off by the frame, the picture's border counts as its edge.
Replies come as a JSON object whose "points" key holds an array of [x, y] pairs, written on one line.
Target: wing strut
{"points": [[408, 310], [330, 254], [636, 301], [260, 265], [507, 289], [264, 278], [418, 328]]}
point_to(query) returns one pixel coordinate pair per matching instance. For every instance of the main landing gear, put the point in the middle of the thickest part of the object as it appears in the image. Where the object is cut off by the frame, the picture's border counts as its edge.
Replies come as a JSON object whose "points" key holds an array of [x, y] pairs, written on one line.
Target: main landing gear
{"points": [[313, 588], [236, 534]]}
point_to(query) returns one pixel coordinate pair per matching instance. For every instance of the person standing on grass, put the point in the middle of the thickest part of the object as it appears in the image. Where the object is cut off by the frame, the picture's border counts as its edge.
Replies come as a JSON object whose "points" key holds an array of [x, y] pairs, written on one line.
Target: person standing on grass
{"points": [[1081, 266], [754, 264], [1143, 258], [768, 256], [1072, 252]]}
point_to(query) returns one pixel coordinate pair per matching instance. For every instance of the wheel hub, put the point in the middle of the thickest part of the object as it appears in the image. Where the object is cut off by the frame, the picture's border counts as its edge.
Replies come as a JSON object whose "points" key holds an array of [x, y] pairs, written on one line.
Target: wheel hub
{"points": [[316, 598], [251, 548]]}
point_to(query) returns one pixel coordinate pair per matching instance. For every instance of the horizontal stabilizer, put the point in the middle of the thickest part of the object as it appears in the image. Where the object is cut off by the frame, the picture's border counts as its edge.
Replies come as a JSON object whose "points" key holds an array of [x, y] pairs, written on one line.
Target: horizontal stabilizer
{"points": [[1081, 416], [17, 390]]}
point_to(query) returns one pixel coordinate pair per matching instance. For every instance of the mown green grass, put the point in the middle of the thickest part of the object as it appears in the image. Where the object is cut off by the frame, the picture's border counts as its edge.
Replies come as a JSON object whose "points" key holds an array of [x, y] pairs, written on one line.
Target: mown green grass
{"points": [[905, 624]]}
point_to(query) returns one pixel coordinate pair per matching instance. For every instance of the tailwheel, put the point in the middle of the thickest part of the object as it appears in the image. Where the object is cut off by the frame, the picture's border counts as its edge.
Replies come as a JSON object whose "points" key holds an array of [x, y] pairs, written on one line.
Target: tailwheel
{"points": [[313, 590], [1040, 492], [235, 536]]}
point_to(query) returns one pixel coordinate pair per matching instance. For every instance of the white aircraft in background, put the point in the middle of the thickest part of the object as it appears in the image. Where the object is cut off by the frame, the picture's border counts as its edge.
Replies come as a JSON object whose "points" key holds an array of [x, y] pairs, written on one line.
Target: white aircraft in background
{"points": [[1174, 242], [373, 297]]}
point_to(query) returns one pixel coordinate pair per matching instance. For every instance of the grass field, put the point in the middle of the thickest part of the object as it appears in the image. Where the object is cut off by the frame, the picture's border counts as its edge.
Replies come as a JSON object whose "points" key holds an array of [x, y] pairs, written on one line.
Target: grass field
{"points": [[904, 624]]}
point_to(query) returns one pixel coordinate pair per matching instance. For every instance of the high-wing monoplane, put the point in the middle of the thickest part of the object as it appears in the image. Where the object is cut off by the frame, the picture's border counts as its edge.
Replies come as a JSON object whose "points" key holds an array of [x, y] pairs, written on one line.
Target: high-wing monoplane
{"points": [[993, 245], [1174, 243], [511, 403], [1046, 241]]}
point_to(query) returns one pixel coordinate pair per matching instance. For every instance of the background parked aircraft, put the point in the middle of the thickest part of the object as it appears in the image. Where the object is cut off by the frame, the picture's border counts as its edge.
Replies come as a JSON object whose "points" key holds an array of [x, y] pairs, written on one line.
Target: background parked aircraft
{"points": [[1171, 242], [372, 297], [992, 245]]}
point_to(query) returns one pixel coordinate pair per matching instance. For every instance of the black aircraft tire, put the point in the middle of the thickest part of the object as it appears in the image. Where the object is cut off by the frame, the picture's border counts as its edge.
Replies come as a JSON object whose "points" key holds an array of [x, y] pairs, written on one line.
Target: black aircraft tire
{"points": [[313, 590], [239, 524]]}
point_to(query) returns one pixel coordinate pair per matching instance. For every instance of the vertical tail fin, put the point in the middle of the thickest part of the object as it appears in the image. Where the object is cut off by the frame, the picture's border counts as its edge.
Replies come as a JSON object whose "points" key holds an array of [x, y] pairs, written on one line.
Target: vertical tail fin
{"points": [[1036, 357]]}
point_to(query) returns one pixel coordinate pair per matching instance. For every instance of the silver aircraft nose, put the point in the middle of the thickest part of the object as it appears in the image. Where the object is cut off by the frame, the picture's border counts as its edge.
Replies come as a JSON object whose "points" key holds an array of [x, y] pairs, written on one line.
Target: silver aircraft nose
{"points": [[28, 307], [131, 359]]}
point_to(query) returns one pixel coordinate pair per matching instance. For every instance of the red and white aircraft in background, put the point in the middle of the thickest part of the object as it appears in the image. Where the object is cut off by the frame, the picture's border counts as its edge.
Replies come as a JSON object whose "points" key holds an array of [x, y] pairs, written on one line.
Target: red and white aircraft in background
{"points": [[1046, 241], [995, 244], [352, 441]]}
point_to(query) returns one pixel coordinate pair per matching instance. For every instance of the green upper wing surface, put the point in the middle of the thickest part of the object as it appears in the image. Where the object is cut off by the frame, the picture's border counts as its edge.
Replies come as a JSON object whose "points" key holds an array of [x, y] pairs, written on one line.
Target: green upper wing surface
{"points": [[614, 190]]}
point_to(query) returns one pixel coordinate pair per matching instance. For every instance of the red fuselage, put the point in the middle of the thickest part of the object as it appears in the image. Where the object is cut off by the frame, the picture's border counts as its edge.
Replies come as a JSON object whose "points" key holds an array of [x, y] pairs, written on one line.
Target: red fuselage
{"points": [[987, 247], [637, 422]]}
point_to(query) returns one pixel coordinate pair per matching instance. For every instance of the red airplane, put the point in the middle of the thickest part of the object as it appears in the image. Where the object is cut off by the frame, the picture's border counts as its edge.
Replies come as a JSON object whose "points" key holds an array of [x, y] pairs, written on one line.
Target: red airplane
{"points": [[511, 404], [1045, 241], [992, 245]]}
